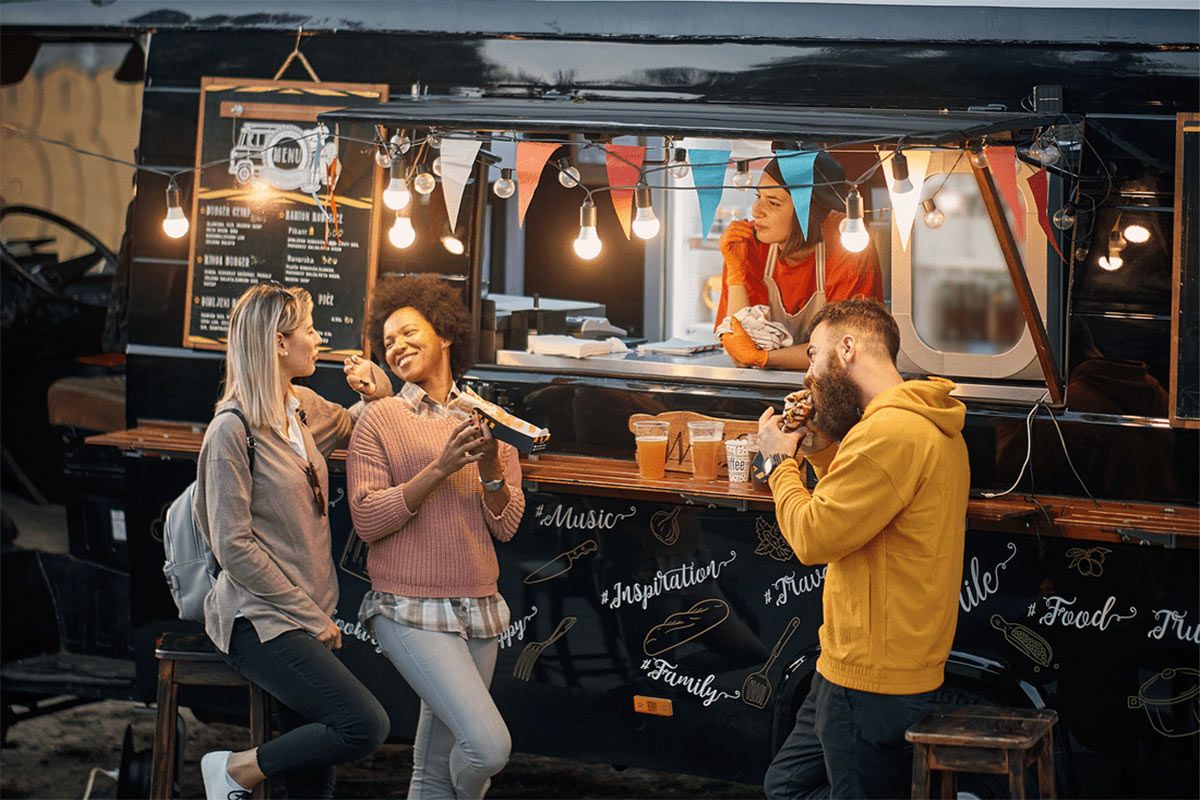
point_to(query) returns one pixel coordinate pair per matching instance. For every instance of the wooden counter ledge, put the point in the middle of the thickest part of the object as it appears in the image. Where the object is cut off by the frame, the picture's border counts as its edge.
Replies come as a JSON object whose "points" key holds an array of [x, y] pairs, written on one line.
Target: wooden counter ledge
{"points": [[1045, 515]]}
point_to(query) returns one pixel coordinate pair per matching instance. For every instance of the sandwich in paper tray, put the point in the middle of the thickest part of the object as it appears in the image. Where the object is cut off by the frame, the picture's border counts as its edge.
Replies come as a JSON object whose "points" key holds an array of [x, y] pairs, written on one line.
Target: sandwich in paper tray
{"points": [[526, 437]]}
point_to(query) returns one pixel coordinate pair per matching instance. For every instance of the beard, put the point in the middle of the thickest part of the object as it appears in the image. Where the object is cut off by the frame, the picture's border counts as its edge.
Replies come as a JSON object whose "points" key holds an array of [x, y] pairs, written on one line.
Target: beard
{"points": [[836, 406]]}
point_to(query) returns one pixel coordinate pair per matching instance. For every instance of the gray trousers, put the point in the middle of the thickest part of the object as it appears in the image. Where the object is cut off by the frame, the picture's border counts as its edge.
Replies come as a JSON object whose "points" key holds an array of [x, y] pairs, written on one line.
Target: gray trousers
{"points": [[461, 739], [847, 744]]}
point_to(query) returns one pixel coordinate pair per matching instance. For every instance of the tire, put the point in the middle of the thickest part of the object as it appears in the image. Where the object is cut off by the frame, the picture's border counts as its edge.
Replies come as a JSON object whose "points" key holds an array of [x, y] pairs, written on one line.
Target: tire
{"points": [[244, 172]]}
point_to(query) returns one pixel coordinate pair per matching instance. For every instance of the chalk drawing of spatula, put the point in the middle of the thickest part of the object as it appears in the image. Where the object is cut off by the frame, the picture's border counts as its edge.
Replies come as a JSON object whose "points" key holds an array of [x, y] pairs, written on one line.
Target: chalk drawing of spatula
{"points": [[757, 689]]}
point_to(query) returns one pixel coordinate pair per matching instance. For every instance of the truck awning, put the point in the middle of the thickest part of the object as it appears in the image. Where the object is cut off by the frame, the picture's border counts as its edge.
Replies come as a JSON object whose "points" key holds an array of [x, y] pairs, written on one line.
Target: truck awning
{"points": [[642, 118]]}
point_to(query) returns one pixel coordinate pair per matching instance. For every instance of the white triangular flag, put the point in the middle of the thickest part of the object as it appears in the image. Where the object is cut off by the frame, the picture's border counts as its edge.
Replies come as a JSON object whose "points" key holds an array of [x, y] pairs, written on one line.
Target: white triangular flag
{"points": [[458, 159], [904, 206]]}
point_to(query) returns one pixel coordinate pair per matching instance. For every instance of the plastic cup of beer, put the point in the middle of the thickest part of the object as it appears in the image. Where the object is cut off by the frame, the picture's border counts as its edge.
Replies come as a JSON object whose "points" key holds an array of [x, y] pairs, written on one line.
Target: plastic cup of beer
{"points": [[737, 460], [651, 440], [704, 438]]}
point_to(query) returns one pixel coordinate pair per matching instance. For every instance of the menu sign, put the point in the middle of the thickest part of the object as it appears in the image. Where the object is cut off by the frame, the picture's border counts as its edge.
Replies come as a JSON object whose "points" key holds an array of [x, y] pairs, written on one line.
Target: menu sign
{"points": [[280, 197]]}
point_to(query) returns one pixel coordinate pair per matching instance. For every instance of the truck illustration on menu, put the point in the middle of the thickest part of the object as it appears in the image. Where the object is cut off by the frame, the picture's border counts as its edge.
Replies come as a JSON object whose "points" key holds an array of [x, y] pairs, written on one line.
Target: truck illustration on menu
{"points": [[283, 155]]}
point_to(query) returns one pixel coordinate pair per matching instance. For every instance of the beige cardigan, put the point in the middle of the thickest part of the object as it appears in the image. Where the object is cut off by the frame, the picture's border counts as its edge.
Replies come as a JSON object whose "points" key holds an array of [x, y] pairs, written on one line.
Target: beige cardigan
{"points": [[266, 530]]}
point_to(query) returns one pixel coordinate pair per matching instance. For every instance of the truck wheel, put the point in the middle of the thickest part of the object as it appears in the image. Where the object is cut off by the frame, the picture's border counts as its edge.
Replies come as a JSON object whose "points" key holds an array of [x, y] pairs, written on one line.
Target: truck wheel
{"points": [[245, 171]]}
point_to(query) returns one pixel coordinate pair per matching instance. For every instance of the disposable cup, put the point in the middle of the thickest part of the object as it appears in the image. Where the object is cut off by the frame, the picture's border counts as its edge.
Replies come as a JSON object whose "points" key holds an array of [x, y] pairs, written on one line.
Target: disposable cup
{"points": [[651, 438]]}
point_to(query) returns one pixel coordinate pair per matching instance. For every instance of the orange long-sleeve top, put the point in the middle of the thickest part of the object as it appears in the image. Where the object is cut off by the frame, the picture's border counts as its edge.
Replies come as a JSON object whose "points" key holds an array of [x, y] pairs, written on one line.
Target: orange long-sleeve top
{"points": [[847, 274]]}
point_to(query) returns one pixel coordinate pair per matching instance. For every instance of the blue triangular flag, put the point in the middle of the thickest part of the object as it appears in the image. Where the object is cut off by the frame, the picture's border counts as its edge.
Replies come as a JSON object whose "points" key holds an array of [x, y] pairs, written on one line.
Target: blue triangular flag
{"points": [[708, 173], [796, 167]]}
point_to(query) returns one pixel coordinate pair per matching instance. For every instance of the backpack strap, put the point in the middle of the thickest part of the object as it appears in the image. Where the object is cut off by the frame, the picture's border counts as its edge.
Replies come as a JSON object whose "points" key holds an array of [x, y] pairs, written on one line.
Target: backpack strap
{"points": [[250, 444]]}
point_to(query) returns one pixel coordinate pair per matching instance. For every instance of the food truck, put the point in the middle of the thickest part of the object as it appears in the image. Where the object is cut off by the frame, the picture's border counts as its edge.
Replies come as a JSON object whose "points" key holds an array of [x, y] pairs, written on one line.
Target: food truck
{"points": [[1051, 272]]}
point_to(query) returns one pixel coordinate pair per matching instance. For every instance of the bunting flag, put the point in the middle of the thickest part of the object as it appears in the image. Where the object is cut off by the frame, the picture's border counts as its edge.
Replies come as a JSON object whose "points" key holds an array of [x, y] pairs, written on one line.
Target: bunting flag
{"points": [[531, 160], [624, 168], [1039, 184], [796, 167], [708, 173], [904, 206], [1003, 162], [458, 159]]}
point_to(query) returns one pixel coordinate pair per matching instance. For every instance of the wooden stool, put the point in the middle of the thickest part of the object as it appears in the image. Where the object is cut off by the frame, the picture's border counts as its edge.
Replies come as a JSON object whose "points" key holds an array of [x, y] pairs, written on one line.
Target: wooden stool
{"points": [[193, 660], [983, 739]]}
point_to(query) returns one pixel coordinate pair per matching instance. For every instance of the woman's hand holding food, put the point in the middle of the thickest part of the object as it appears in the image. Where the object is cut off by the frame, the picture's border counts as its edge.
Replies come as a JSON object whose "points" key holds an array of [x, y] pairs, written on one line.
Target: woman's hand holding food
{"points": [[465, 446], [361, 376], [490, 468], [741, 348]]}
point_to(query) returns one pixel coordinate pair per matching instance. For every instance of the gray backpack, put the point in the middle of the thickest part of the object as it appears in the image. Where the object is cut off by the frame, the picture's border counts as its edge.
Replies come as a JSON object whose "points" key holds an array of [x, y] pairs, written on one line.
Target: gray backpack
{"points": [[190, 567]]}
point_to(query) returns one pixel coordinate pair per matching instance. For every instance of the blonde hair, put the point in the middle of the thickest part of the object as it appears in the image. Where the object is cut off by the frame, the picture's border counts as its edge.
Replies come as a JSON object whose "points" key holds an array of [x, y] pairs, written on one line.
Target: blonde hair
{"points": [[252, 374]]}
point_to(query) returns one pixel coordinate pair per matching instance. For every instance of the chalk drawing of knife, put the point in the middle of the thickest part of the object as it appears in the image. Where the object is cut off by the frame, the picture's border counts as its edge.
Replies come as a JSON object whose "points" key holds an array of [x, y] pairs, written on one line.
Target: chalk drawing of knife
{"points": [[560, 564]]}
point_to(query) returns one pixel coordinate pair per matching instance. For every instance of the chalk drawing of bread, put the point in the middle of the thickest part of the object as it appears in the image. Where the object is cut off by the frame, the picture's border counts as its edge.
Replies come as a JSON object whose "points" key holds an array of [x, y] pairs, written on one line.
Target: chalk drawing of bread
{"points": [[685, 626]]}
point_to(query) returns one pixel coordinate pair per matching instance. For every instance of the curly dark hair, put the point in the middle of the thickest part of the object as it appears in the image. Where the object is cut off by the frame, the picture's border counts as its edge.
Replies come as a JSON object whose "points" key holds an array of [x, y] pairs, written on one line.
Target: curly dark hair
{"points": [[438, 302]]}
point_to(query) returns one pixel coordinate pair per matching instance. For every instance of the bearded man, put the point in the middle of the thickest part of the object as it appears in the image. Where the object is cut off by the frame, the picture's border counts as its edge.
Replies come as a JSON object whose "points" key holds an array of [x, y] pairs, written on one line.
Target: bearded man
{"points": [[888, 516]]}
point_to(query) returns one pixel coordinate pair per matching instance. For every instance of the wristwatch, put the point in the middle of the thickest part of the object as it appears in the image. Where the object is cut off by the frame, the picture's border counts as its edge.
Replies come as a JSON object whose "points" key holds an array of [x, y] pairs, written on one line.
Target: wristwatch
{"points": [[772, 461], [492, 486]]}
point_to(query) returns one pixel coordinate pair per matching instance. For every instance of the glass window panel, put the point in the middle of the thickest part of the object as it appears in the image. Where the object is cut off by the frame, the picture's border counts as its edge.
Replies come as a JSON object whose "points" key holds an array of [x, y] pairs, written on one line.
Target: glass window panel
{"points": [[963, 298]]}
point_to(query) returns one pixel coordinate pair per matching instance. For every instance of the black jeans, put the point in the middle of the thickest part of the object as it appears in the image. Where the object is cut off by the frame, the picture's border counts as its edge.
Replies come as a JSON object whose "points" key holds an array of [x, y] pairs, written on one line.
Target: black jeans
{"points": [[325, 714], [847, 744]]}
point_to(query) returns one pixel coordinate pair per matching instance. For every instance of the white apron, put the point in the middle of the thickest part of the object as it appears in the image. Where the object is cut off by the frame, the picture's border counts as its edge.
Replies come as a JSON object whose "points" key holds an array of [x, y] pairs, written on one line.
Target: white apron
{"points": [[798, 324]]}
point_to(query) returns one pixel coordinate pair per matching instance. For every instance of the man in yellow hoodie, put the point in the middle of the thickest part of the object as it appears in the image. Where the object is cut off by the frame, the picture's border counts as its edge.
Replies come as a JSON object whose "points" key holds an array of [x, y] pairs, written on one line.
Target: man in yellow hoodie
{"points": [[888, 516]]}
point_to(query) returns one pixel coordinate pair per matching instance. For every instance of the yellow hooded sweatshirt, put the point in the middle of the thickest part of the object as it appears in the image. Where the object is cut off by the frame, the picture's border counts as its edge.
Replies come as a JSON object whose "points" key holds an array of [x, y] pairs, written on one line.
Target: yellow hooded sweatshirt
{"points": [[888, 516]]}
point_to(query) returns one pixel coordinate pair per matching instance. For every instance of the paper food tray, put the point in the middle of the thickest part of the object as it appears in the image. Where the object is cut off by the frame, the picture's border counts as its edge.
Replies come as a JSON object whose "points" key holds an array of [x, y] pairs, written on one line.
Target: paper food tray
{"points": [[524, 436]]}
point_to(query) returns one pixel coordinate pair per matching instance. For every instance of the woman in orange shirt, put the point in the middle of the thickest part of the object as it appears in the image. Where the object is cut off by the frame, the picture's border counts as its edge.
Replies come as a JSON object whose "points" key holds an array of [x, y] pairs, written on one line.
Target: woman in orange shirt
{"points": [[770, 262]]}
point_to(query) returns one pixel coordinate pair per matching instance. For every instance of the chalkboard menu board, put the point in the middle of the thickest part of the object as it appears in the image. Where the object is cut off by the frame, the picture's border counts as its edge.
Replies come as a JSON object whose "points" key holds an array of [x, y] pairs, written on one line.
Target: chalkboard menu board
{"points": [[1185, 305], [279, 197]]}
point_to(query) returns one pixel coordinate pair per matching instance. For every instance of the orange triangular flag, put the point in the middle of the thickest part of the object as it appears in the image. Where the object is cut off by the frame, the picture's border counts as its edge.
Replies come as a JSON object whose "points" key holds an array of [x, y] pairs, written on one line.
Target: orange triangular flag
{"points": [[624, 169], [531, 160], [1039, 184], [1003, 162]]}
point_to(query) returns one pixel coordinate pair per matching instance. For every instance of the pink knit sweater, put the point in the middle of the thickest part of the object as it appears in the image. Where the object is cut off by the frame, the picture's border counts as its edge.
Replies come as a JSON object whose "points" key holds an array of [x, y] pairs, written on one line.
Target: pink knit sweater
{"points": [[444, 548]]}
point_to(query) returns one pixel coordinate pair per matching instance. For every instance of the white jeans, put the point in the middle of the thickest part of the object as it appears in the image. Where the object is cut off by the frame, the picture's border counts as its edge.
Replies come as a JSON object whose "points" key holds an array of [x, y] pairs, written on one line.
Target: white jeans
{"points": [[461, 740]]}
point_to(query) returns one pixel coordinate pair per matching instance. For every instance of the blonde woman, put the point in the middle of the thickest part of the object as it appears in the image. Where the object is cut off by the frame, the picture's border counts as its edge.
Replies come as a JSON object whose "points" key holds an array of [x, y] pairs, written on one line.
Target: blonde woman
{"points": [[270, 610]]}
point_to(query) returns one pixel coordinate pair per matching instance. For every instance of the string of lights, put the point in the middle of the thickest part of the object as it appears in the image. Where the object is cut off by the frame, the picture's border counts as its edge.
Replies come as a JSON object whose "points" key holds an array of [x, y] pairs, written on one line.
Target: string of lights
{"points": [[410, 172]]}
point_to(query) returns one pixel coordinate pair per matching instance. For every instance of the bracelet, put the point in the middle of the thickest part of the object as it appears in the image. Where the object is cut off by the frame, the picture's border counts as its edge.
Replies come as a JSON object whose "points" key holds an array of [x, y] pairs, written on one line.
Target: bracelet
{"points": [[492, 486]]}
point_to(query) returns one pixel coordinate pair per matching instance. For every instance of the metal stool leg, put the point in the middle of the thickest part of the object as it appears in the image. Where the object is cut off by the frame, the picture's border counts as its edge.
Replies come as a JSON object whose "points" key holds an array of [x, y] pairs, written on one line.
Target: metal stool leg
{"points": [[162, 771]]}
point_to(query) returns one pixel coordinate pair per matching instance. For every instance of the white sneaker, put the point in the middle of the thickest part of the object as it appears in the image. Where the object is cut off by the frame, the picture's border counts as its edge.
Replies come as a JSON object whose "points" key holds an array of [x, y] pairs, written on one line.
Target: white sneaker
{"points": [[214, 767]]}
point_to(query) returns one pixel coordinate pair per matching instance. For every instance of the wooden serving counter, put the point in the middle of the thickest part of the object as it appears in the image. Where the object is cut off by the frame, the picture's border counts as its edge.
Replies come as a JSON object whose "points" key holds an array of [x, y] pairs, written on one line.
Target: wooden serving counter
{"points": [[1043, 515]]}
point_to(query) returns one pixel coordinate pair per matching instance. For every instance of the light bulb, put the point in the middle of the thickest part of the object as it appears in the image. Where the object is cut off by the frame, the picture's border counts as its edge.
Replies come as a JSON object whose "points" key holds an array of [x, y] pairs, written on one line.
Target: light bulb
{"points": [[436, 166], [453, 244], [1064, 219], [175, 224], [900, 182], [587, 244], [401, 143], [645, 224], [934, 218], [1116, 245], [382, 157], [568, 174], [1050, 154], [434, 141], [505, 186], [424, 183], [1137, 233], [1081, 252], [1035, 150], [679, 167], [401, 234], [854, 234], [396, 196], [741, 177], [1111, 262], [978, 159]]}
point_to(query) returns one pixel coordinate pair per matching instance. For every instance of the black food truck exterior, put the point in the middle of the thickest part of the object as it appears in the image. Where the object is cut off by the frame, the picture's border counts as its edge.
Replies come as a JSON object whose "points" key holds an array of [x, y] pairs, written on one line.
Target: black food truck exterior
{"points": [[671, 626]]}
